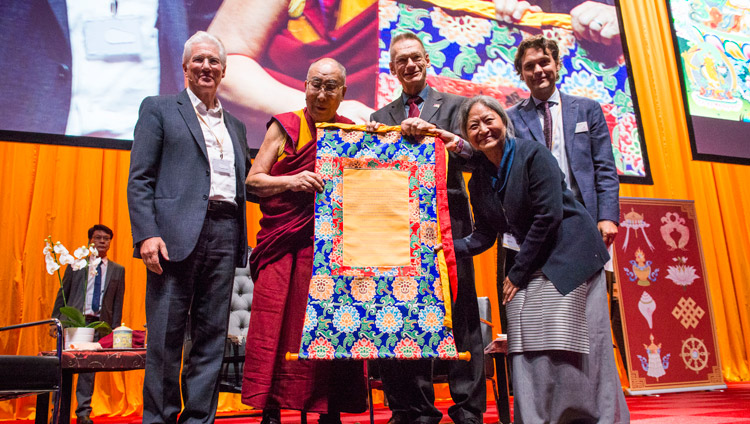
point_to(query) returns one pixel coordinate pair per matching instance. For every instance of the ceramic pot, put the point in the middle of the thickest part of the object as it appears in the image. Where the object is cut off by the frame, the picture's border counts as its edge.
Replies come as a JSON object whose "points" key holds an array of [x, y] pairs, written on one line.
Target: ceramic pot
{"points": [[122, 337], [78, 335]]}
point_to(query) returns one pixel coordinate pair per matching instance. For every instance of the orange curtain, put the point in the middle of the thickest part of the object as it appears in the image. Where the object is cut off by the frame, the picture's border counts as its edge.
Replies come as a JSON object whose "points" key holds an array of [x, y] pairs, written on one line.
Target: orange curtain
{"points": [[62, 191]]}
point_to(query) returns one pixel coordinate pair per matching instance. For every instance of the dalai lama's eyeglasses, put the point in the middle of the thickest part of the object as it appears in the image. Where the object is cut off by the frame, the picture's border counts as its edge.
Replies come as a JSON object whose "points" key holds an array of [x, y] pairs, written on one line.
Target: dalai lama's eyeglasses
{"points": [[329, 86]]}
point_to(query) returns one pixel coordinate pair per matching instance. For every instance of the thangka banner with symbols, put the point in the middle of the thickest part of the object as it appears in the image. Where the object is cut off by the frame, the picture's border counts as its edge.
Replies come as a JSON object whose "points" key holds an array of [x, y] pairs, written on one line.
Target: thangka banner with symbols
{"points": [[472, 53], [379, 289], [664, 299]]}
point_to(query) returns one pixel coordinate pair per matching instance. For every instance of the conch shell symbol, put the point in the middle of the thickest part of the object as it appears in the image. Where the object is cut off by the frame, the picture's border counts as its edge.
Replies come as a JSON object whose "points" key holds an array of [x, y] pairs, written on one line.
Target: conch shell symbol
{"points": [[647, 306]]}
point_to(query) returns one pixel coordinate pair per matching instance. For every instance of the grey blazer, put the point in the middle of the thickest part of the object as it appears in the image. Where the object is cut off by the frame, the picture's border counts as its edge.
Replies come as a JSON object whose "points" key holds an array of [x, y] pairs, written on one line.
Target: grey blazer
{"points": [[589, 152], [114, 293], [170, 177]]}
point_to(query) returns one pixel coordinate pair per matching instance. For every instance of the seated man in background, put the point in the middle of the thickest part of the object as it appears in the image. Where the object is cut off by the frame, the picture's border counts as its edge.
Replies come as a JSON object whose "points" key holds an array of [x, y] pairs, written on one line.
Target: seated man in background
{"points": [[99, 297]]}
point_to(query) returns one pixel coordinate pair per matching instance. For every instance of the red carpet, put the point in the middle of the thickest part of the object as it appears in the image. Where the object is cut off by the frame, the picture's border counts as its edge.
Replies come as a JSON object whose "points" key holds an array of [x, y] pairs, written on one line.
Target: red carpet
{"points": [[730, 406]]}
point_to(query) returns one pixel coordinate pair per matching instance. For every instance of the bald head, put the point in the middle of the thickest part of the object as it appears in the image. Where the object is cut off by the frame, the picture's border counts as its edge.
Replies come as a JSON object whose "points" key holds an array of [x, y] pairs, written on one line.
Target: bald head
{"points": [[325, 88], [329, 66]]}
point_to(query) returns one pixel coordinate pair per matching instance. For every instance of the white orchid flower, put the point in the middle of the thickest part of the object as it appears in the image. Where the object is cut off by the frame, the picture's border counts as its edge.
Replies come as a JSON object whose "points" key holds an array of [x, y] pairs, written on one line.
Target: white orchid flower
{"points": [[52, 266], [81, 252], [60, 249], [94, 251], [78, 264], [66, 259], [47, 249], [93, 263]]}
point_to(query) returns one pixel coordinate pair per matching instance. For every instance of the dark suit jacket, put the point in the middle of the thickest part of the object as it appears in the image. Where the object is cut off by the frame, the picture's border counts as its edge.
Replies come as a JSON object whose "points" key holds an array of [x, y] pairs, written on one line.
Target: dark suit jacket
{"points": [[553, 229], [114, 293], [440, 109], [36, 41], [170, 176], [589, 152]]}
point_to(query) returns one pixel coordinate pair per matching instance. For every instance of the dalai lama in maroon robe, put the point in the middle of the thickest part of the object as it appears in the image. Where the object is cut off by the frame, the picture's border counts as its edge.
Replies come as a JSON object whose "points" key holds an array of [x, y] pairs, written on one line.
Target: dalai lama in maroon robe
{"points": [[283, 177]]}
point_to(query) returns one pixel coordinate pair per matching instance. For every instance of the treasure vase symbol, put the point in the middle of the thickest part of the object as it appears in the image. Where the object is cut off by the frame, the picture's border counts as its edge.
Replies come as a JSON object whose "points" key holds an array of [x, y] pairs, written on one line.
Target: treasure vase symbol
{"points": [[641, 270]]}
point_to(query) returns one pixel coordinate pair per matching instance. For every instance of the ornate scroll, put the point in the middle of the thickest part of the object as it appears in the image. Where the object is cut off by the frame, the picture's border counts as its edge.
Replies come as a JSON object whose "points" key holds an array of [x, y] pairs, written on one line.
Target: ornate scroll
{"points": [[376, 289]]}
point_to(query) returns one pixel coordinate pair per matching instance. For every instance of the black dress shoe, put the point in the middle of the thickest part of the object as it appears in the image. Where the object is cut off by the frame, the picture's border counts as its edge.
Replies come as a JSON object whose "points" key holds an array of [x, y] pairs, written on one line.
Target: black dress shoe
{"points": [[271, 416], [84, 419], [330, 418], [398, 418]]}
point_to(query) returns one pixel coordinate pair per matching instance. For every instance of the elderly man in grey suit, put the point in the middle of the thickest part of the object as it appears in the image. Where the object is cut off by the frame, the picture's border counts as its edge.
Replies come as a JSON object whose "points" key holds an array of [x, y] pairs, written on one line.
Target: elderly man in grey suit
{"points": [[186, 196], [99, 296], [408, 384], [573, 128]]}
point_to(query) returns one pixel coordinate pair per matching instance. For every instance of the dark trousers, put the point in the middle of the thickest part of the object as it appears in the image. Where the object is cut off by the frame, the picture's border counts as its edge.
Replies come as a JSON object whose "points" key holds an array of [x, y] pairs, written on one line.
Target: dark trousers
{"points": [[200, 285], [85, 383], [408, 384]]}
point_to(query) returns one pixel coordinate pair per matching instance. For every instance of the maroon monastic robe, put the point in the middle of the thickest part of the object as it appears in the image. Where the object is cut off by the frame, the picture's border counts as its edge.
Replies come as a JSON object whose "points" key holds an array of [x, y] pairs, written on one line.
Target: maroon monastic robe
{"points": [[281, 267]]}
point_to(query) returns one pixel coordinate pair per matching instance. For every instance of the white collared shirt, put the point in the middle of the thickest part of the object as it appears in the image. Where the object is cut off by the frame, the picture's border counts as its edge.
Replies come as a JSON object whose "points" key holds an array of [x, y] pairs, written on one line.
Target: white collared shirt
{"points": [[223, 185], [558, 137], [107, 88], [90, 289]]}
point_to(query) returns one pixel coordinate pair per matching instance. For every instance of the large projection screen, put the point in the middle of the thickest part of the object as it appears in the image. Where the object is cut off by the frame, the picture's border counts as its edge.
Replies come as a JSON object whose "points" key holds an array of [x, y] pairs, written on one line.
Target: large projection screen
{"points": [[82, 67], [712, 46]]}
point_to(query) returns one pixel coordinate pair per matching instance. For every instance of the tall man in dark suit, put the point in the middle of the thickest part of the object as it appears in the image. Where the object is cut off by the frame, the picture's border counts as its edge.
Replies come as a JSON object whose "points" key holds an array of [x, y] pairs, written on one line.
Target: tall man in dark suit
{"points": [[99, 296], [577, 136], [408, 384], [186, 196]]}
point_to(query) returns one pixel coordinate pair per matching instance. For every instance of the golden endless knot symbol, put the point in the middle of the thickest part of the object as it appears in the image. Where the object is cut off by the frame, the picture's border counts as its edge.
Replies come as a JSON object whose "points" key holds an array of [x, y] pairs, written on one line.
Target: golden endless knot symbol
{"points": [[688, 312]]}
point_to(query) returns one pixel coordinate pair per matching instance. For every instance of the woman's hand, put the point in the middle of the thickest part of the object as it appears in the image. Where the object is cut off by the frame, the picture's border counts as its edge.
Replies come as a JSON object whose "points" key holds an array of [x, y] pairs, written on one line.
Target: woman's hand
{"points": [[451, 141], [509, 290]]}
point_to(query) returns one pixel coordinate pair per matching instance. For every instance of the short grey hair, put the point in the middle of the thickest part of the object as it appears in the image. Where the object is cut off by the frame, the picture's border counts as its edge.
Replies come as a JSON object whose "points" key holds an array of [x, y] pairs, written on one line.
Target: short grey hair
{"points": [[401, 36], [204, 37], [490, 102]]}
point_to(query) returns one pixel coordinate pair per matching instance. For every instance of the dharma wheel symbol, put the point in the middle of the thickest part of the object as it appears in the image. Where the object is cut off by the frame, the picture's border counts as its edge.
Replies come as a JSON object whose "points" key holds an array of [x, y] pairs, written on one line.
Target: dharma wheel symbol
{"points": [[694, 354]]}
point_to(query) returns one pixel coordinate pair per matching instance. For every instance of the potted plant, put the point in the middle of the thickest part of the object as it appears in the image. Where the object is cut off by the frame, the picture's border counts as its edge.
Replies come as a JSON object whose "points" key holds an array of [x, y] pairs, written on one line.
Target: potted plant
{"points": [[56, 255]]}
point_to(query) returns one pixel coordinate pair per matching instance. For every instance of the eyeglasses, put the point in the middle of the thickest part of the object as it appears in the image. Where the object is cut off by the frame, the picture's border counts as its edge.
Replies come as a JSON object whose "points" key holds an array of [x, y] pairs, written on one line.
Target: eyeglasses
{"points": [[328, 86], [102, 238], [417, 58]]}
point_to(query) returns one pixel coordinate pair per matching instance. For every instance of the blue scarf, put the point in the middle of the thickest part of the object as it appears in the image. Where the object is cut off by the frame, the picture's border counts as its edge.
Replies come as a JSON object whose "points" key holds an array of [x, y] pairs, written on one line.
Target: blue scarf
{"points": [[503, 171]]}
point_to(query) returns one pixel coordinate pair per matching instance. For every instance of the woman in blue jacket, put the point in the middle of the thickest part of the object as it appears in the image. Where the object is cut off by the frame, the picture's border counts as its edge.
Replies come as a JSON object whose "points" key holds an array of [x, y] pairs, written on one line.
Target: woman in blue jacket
{"points": [[559, 339]]}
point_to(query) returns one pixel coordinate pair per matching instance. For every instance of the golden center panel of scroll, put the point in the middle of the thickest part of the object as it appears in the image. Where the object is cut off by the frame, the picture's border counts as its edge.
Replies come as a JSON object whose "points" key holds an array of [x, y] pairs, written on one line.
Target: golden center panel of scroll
{"points": [[376, 218]]}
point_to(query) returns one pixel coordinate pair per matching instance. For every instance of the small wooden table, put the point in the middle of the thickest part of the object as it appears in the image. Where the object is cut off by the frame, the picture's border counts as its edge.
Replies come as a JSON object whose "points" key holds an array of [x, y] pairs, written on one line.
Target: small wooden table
{"points": [[498, 350], [78, 361]]}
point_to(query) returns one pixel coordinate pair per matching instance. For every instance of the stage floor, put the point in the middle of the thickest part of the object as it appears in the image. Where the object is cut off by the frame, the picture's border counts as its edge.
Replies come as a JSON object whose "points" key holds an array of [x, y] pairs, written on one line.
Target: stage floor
{"points": [[730, 406]]}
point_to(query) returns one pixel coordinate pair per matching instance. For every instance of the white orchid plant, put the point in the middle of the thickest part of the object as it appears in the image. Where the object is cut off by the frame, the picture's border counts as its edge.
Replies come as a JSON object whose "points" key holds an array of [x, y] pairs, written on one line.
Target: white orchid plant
{"points": [[55, 256]]}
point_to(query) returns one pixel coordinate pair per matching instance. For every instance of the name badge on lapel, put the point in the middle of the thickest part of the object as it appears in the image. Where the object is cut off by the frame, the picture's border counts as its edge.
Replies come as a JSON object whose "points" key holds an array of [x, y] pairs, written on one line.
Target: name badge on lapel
{"points": [[582, 127], [510, 242]]}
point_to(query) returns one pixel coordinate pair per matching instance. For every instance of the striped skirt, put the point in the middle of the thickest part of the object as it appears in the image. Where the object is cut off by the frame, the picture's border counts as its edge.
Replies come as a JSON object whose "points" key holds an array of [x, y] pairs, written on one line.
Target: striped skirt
{"points": [[540, 318]]}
